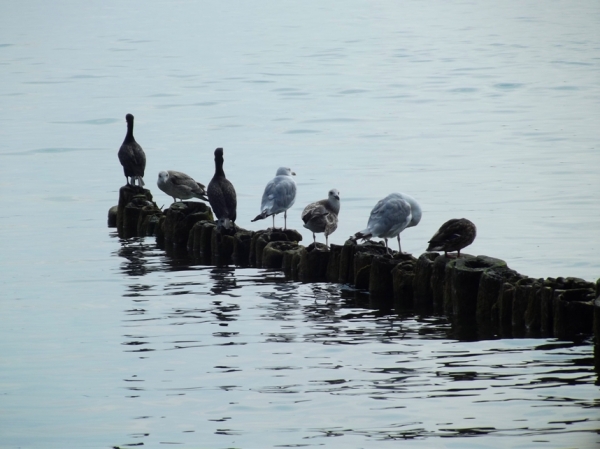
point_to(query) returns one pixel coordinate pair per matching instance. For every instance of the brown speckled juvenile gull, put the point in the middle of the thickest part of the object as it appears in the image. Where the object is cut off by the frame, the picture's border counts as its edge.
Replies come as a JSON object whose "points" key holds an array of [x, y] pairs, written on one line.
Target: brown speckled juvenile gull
{"points": [[179, 185], [322, 216]]}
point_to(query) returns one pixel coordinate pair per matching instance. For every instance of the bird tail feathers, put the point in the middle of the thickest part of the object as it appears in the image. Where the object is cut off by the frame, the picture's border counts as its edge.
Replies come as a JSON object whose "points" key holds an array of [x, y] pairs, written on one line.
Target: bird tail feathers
{"points": [[364, 234], [261, 216]]}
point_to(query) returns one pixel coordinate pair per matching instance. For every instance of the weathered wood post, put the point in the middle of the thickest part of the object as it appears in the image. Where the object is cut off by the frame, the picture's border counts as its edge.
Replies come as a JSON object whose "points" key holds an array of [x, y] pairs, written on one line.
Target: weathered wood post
{"points": [[462, 278], [573, 309], [488, 298], [312, 266], [403, 280], [381, 284], [126, 195], [597, 328], [363, 255], [526, 289], [222, 241], [333, 267], [180, 219], [273, 253], [241, 248], [346, 274], [438, 280], [260, 239], [423, 293]]}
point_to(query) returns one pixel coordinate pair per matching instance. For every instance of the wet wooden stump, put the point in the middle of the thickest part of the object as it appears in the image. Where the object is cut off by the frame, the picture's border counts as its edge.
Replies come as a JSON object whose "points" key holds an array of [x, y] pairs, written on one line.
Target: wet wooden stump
{"points": [[346, 273], [312, 266], [273, 253], [547, 309], [148, 220], [333, 267], [438, 277], [488, 297], [241, 248], [260, 239], [291, 259], [597, 331], [423, 294], [462, 284], [403, 281], [574, 309], [525, 293], [180, 219], [221, 244], [127, 193], [363, 255], [112, 217], [381, 285]]}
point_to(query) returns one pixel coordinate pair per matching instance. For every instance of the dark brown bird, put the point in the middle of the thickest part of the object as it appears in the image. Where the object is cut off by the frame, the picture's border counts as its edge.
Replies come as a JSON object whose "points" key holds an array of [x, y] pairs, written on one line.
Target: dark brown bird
{"points": [[221, 195], [131, 156], [454, 235]]}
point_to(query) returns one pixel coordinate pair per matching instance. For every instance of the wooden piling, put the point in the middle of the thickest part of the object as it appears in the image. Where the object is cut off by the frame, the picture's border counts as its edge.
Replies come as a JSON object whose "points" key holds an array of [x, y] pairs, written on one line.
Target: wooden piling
{"points": [[462, 284], [180, 219], [313, 263], [403, 282], [488, 298], [381, 285], [422, 290]]}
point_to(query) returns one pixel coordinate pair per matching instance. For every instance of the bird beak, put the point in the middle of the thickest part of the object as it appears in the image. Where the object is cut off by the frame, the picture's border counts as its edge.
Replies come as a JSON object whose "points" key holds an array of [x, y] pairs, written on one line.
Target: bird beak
{"points": [[293, 173]]}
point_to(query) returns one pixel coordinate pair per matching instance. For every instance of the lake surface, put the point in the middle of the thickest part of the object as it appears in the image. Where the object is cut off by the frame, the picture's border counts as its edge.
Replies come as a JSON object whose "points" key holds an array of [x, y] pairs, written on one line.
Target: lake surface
{"points": [[488, 112]]}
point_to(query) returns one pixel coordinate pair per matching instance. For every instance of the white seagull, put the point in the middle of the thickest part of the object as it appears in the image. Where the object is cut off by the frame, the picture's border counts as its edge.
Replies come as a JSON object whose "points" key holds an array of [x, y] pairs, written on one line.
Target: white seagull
{"points": [[390, 217], [322, 216], [179, 185], [279, 196]]}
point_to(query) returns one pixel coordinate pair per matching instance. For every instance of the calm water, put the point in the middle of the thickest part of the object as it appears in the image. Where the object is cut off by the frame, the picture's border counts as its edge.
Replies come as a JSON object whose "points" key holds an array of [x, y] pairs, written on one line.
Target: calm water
{"points": [[484, 111]]}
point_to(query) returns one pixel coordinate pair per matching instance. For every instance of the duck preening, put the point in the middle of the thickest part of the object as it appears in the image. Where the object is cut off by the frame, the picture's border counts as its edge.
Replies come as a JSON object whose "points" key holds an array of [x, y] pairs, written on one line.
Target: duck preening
{"points": [[279, 196], [131, 156], [390, 217], [221, 195], [453, 235], [179, 185], [322, 216]]}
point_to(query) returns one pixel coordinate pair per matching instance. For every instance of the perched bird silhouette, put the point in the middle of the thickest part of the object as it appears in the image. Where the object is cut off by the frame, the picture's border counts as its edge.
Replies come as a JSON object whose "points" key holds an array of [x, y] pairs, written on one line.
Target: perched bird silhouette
{"points": [[322, 216], [279, 196], [454, 235], [221, 195], [131, 156], [179, 185], [390, 217]]}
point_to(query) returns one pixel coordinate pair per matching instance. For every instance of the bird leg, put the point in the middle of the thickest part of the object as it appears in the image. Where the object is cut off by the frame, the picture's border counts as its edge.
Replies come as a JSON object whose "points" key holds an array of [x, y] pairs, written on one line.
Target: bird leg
{"points": [[326, 240], [284, 220], [399, 248], [386, 247], [273, 221], [314, 239]]}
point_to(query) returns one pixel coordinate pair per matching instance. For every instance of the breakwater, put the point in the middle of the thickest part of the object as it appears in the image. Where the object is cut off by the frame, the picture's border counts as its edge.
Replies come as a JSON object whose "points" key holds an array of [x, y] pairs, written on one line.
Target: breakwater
{"points": [[481, 295]]}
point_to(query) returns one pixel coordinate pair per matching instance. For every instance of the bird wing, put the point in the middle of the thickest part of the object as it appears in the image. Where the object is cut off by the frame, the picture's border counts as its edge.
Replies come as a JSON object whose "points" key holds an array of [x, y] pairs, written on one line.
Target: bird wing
{"points": [[389, 217], [279, 195]]}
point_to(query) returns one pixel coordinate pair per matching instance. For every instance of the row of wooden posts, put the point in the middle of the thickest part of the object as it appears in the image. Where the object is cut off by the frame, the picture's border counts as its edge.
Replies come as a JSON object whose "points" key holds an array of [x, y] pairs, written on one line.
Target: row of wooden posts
{"points": [[481, 295]]}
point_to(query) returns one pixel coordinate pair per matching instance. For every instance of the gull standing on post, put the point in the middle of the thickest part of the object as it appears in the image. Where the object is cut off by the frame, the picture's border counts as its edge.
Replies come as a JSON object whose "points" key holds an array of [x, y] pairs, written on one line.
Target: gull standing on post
{"points": [[390, 217], [131, 156], [221, 195], [279, 196], [322, 216], [179, 185]]}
